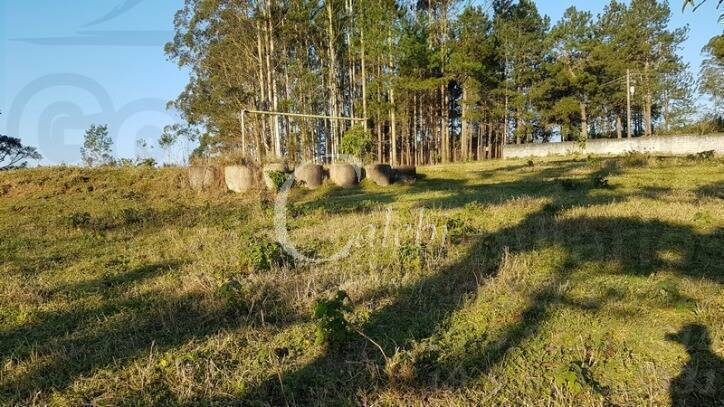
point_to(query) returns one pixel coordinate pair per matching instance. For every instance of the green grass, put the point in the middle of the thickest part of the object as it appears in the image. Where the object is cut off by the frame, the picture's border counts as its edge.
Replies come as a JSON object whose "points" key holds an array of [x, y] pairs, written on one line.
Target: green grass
{"points": [[543, 285]]}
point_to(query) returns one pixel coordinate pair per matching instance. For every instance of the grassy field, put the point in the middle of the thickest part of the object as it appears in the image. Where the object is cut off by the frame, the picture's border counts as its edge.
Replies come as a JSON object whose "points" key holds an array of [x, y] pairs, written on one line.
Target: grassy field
{"points": [[591, 281]]}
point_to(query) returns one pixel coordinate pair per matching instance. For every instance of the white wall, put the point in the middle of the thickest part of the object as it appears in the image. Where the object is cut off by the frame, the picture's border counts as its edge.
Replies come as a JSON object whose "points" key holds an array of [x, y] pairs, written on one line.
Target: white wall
{"points": [[674, 145]]}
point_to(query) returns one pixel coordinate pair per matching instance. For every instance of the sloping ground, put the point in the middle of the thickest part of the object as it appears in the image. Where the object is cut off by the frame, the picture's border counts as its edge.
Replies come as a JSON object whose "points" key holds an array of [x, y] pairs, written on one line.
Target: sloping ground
{"points": [[563, 282]]}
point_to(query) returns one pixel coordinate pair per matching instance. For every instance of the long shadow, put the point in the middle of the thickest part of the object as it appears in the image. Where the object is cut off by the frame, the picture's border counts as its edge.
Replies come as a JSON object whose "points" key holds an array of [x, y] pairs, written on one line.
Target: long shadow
{"points": [[420, 309], [113, 331], [701, 382]]}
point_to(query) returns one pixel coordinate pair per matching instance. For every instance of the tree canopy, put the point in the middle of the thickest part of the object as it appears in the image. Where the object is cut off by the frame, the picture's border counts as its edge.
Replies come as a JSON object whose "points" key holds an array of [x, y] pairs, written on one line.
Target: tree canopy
{"points": [[436, 80], [13, 154]]}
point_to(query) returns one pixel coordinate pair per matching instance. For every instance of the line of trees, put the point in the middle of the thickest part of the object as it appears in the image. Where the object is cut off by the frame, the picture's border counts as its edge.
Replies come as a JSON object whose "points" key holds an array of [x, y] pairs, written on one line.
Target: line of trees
{"points": [[438, 80]]}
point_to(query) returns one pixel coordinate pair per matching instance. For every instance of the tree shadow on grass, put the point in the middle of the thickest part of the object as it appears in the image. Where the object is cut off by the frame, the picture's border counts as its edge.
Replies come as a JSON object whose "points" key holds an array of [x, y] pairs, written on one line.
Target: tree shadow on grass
{"points": [[701, 382], [112, 326], [420, 310]]}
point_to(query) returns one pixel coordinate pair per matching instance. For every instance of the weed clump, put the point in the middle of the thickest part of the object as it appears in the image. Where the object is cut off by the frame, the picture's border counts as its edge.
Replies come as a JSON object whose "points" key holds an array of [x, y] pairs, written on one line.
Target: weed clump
{"points": [[262, 255], [702, 156], [636, 159], [332, 328], [110, 220], [80, 220]]}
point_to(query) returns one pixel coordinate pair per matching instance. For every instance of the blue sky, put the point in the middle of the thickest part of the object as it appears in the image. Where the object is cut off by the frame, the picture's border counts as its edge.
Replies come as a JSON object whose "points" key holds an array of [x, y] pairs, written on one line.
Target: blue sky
{"points": [[65, 65]]}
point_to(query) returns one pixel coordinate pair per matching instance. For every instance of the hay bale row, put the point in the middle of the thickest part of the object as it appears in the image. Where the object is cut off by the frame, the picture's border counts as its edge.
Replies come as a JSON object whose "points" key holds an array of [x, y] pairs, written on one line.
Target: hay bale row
{"points": [[239, 178], [242, 178], [381, 174], [310, 176], [204, 178], [345, 175]]}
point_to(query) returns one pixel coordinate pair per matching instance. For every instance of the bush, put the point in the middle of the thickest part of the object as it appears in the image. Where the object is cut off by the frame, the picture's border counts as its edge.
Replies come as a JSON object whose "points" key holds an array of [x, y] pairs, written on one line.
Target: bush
{"points": [[262, 255], [412, 256], [328, 314], [234, 295], [278, 178], [357, 142]]}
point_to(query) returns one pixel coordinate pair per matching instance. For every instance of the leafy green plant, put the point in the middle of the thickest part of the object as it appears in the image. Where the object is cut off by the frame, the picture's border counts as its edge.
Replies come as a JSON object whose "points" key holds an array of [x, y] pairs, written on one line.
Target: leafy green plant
{"points": [[332, 328], [233, 294], [97, 147], [262, 255], [569, 377], [278, 178], [357, 142]]}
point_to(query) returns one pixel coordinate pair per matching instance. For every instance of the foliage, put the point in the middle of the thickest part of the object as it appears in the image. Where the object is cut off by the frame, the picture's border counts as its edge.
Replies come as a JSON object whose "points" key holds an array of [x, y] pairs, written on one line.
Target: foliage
{"points": [[332, 327], [711, 76], [468, 77], [97, 146], [357, 142], [13, 154], [262, 255], [278, 178]]}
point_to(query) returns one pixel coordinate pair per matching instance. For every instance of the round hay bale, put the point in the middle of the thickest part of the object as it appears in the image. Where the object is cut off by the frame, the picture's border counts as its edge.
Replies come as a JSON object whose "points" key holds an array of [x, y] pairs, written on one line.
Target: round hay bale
{"points": [[239, 178], [343, 175], [273, 168], [203, 178], [310, 175], [380, 174]]}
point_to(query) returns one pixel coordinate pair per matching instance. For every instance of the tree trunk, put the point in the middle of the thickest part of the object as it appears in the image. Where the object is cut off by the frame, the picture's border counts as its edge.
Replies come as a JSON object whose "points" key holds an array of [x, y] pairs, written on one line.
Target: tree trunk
{"points": [[647, 104], [332, 76], [584, 122], [364, 77], [464, 124], [619, 131]]}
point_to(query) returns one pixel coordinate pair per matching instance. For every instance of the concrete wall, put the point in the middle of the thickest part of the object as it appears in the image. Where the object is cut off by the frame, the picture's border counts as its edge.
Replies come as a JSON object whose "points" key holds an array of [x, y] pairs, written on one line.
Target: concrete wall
{"points": [[674, 145]]}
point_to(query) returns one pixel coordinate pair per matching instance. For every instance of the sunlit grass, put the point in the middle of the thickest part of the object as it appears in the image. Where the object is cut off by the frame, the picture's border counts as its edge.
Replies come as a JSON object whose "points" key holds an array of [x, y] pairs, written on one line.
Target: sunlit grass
{"points": [[541, 286]]}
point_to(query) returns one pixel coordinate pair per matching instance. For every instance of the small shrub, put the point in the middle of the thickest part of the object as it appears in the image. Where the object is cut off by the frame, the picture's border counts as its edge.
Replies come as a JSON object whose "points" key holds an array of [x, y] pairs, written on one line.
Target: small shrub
{"points": [[262, 255], [357, 142], [332, 327], [411, 256], [278, 178], [80, 219], [459, 228], [233, 294], [570, 378], [146, 162]]}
